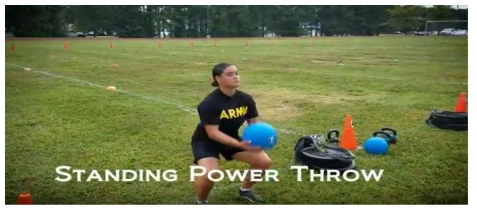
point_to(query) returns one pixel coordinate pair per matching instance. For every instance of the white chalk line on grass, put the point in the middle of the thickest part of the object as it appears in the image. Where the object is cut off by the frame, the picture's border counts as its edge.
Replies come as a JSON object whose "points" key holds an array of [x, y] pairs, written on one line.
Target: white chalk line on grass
{"points": [[177, 105], [181, 107]]}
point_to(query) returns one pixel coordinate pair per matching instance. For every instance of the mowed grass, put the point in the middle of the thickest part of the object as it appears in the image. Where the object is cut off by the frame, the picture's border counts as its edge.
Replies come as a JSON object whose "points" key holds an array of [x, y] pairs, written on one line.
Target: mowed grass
{"points": [[53, 121]]}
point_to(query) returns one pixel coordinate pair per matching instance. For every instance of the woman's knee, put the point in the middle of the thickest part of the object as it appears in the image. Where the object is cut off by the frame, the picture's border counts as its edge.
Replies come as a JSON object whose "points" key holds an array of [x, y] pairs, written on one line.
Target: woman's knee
{"points": [[263, 162], [258, 160], [211, 165]]}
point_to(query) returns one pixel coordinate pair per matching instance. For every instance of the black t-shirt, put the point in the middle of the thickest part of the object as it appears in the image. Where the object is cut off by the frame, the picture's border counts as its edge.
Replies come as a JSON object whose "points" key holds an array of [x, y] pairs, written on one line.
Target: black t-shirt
{"points": [[227, 112]]}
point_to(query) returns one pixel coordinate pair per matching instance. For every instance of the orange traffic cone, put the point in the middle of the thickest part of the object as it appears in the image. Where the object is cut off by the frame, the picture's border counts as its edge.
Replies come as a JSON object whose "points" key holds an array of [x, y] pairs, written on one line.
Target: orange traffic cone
{"points": [[348, 136], [25, 199], [191, 45], [12, 47], [159, 45], [246, 43], [461, 104], [65, 46], [111, 45], [215, 44]]}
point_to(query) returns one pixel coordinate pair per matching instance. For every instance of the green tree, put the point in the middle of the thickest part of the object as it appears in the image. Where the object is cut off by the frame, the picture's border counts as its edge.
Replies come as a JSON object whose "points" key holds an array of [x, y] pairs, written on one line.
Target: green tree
{"points": [[225, 21], [36, 20], [406, 18]]}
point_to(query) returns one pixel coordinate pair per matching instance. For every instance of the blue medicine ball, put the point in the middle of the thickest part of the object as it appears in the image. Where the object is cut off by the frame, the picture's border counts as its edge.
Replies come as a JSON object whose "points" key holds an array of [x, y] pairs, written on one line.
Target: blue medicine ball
{"points": [[261, 134], [376, 145]]}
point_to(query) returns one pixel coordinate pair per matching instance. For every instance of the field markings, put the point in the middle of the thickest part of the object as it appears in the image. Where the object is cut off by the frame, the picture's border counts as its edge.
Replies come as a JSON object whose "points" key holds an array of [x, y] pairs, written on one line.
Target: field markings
{"points": [[149, 98], [181, 107]]}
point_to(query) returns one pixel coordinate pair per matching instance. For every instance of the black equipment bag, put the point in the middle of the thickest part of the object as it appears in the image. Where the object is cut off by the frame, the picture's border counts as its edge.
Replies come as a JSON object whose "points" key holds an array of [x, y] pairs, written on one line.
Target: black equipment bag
{"points": [[314, 152], [448, 120]]}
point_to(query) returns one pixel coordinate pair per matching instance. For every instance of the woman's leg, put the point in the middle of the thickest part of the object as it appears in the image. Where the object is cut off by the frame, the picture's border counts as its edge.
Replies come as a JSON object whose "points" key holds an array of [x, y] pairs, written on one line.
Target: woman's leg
{"points": [[257, 160], [202, 184]]}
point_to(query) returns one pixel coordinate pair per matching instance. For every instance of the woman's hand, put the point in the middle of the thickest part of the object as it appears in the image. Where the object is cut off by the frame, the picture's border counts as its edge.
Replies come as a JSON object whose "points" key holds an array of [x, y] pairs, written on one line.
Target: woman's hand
{"points": [[245, 145]]}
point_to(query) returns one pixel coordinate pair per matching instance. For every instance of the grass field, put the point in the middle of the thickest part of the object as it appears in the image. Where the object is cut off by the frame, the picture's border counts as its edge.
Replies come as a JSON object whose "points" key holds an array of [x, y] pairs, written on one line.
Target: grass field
{"points": [[64, 119]]}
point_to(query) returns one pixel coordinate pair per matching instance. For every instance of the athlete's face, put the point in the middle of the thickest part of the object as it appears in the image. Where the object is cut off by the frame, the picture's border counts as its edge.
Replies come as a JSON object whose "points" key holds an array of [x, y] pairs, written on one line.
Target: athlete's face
{"points": [[229, 77]]}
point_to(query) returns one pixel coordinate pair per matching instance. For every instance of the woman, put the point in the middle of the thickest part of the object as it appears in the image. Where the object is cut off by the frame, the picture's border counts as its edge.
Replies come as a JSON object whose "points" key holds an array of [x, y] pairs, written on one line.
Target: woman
{"points": [[222, 113]]}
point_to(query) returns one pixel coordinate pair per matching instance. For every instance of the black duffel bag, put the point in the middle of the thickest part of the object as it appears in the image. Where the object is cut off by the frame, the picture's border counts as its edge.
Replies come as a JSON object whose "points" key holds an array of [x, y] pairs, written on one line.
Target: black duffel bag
{"points": [[448, 120], [313, 151]]}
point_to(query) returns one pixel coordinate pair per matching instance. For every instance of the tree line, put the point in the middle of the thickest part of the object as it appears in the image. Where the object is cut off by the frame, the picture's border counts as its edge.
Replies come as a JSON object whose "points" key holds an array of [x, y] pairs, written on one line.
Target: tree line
{"points": [[199, 21]]}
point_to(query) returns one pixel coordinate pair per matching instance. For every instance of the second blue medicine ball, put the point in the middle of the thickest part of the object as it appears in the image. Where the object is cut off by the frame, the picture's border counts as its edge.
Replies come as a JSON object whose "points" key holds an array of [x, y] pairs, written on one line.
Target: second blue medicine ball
{"points": [[376, 145]]}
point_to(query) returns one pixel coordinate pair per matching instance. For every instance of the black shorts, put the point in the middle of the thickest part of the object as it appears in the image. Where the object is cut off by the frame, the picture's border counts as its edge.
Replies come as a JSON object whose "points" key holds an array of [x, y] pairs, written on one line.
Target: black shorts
{"points": [[205, 149]]}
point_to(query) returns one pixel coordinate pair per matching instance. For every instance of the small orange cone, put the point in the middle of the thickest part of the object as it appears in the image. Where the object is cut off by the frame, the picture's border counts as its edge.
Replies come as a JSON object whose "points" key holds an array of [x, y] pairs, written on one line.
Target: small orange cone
{"points": [[348, 136], [25, 199], [273, 43], [12, 47], [215, 44], [65, 46], [159, 45], [246, 43], [314, 42], [191, 45], [461, 104], [111, 45]]}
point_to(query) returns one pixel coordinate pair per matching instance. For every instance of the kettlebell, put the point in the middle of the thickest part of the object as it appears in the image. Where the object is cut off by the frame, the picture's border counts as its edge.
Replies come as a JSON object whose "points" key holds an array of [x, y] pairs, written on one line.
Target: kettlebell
{"points": [[392, 134], [384, 135], [332, 137]]}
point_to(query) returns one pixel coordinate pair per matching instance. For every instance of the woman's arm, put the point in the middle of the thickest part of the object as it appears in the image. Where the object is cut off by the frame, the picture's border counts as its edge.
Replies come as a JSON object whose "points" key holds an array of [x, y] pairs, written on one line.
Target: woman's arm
{"points": [[215, 134], [252, 112]]}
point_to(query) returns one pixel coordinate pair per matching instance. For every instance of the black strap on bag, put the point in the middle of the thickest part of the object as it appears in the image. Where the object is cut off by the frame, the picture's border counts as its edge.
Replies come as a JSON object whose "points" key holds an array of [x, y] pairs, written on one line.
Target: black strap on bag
{"points": [[448, 120]]}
